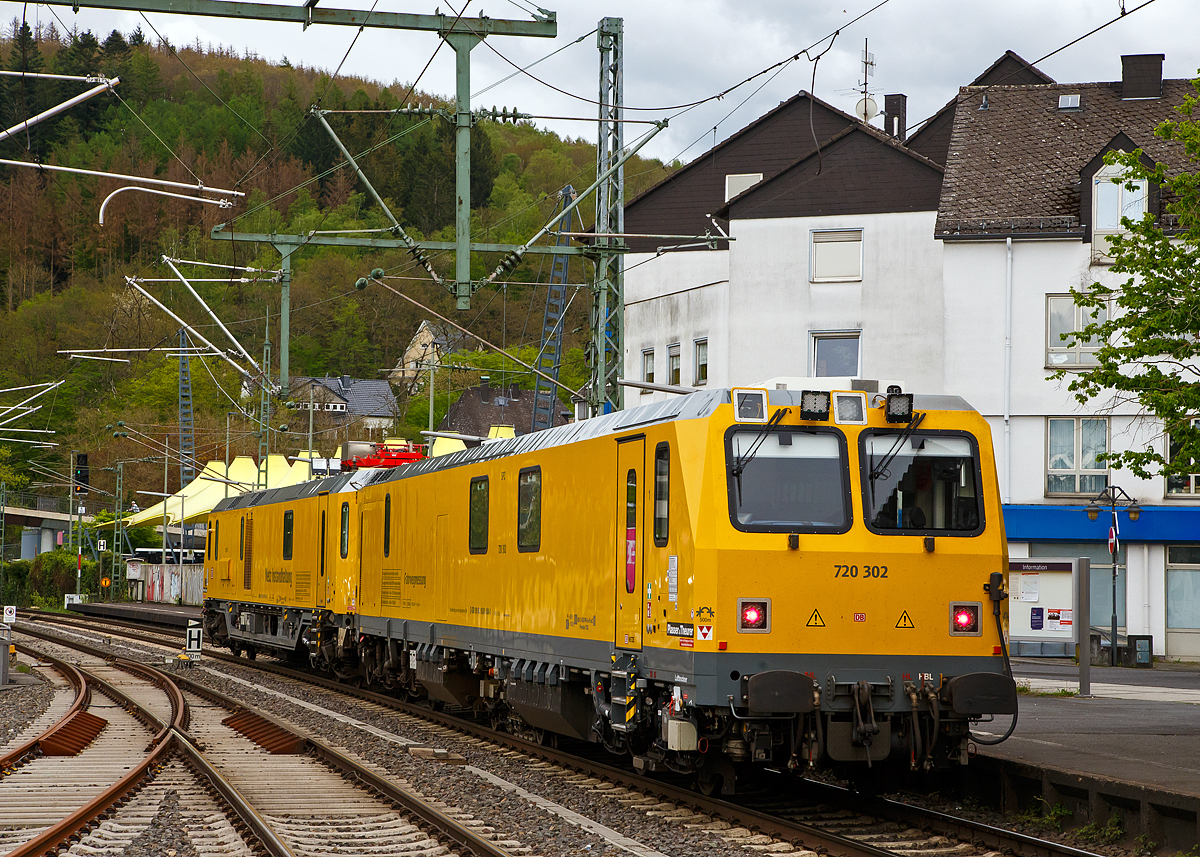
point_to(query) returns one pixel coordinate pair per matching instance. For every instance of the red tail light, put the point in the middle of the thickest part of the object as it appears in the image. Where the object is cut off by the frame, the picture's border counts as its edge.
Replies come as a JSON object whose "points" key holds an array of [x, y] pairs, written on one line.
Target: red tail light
{"points": [[964, 619], [754, 615]]}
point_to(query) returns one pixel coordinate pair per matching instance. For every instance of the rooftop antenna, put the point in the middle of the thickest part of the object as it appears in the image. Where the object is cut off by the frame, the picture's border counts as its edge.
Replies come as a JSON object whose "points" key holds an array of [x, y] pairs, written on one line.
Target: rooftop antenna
{"points": [[866, 109]]}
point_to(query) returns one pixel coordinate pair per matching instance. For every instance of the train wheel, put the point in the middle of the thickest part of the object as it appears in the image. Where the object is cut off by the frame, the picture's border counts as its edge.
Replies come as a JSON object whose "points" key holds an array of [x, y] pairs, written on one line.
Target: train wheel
{"points": [[235, 649], [251, 653], [715, 778]]}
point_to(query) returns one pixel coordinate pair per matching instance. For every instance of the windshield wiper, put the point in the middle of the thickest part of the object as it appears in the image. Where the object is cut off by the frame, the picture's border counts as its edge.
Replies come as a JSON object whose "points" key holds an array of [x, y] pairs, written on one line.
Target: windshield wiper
{"points": [[743, 460], [880, 468]]}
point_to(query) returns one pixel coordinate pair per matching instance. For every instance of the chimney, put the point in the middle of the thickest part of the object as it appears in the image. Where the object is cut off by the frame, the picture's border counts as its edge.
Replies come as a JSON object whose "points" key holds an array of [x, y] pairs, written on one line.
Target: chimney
{"points": [[1141, 76], [895, 109]]}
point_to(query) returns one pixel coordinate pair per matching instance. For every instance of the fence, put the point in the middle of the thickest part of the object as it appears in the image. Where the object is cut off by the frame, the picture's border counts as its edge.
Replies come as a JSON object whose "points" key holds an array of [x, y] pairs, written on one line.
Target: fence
{"points": [[171, 584], [62, 505]]}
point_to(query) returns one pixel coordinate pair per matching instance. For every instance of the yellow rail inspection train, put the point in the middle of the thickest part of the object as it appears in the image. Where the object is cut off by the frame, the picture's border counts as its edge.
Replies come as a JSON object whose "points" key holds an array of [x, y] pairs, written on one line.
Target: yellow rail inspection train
{"points": [[730, 578]]}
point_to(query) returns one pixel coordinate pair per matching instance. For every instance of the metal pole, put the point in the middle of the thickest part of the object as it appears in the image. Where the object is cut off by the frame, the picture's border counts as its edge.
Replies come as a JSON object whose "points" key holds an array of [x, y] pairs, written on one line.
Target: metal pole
{"points": [[117, 526], [3, 506], [228, 414], [166, 464], [462, 44], [285, 319], [1083, 623], [310, 424], [1113, 651], [432, 379], [182, 518]]}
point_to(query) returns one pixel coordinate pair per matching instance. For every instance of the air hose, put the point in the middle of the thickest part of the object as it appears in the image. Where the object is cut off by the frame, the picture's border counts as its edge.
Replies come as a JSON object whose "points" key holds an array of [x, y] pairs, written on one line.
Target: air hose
{"points": [[995, 589]]}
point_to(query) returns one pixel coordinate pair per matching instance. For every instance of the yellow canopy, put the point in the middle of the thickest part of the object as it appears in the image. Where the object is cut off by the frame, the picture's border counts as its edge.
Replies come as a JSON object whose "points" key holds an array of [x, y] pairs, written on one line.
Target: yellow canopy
{"points": [[196, 499]]}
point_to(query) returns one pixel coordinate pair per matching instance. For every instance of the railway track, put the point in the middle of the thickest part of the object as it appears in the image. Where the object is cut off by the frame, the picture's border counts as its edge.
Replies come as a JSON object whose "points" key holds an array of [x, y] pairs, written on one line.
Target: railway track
{"points": [[291, 794], [807, 816]]}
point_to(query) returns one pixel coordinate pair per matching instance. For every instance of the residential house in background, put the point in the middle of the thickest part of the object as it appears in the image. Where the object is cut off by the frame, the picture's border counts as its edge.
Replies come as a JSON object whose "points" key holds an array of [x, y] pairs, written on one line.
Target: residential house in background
{"points": [[1025, 209], [433, 342], [480, 408], [366, 407]]}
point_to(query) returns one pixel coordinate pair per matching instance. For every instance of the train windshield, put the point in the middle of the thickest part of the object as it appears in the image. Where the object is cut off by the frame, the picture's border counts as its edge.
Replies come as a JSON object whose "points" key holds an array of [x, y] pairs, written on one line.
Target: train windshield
{"points": [[920, 483], [782, 480]]}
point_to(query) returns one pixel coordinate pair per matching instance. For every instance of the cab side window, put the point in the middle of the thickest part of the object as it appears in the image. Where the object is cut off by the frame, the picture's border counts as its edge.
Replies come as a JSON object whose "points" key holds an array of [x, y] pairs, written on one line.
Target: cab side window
{"points": [[287, 534], [529, 509], [477, 529], [387, 525], [662, 493], [345, 544]]}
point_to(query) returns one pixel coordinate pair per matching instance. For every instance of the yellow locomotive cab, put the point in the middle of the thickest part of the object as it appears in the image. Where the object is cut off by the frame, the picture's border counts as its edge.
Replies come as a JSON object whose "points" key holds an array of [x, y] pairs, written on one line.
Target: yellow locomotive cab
{"points": [[725, 579]]}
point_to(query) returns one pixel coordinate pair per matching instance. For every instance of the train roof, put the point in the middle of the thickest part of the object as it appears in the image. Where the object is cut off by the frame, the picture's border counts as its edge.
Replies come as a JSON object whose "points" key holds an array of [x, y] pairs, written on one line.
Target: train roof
{"points": [[684, 407]]}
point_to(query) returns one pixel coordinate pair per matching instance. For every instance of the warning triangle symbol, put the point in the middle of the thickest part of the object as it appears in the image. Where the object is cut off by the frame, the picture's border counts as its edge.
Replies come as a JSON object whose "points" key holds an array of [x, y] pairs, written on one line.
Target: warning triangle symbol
{"points": [[905, 622], [815, 621]]}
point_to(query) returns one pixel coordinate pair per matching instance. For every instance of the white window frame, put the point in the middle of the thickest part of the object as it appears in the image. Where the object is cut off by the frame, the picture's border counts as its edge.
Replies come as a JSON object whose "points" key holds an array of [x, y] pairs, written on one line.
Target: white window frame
{"points": [[743, 185], [1077, 470], [697, 344], [817, 336], [647, 367], [1085, 355], [1193, 479], [812, 254], [1105, 176], [674, 364]]}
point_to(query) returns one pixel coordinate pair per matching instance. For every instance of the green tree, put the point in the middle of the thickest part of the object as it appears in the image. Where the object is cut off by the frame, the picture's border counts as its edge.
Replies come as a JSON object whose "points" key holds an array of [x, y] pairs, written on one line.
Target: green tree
{"points": [[1150, 352]]}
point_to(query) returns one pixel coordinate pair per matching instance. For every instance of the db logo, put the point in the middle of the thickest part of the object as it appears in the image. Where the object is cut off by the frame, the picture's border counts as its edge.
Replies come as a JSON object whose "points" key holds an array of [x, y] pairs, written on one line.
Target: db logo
{"points": [[860, 617]]}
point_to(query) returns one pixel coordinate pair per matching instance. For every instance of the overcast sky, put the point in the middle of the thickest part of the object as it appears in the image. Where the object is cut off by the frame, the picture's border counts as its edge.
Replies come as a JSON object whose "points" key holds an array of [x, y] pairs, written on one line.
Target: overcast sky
{"points": [[679, 51]]}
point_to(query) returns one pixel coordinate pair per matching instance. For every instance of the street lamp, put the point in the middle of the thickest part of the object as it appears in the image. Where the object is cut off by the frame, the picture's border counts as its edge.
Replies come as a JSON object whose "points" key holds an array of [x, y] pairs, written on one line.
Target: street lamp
{"points": [[1113, 497]]}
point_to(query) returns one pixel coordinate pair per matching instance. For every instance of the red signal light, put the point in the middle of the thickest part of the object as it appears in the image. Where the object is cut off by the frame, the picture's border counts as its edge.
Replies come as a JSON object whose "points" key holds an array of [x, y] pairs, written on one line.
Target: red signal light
{"points": [[964, 619], [751, 615]]}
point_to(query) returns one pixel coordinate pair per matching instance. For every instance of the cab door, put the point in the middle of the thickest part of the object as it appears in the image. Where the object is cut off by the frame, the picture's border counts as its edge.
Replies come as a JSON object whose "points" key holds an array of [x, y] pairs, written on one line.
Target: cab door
{"points": [[630, 541], [323, 571], [370, 565]]}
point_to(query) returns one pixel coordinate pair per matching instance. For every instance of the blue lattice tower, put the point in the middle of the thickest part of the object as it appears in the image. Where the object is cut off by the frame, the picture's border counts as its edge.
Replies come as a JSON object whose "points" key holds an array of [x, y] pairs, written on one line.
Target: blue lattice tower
{"points": [[550, 354]]}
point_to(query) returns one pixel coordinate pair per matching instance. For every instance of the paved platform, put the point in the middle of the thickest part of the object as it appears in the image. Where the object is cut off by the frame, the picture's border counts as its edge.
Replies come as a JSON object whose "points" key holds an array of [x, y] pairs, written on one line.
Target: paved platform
{"points": [[169, 615], [1131, 748]]}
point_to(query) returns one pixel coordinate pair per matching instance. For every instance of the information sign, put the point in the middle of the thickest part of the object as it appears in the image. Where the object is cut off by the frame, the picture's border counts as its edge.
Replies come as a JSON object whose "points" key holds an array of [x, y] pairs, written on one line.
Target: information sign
{"points": [[195, 637], [10, 614]]}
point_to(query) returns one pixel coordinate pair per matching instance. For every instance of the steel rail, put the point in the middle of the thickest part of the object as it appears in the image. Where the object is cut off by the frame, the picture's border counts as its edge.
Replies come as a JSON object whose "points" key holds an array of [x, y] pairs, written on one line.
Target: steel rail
{"points": [[904, 813], [447, 827], [50, 840], [170, 738], [82, 697]]}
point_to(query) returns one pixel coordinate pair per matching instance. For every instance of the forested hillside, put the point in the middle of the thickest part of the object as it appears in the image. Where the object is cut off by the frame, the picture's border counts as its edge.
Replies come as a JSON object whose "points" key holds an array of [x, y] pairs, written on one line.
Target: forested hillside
{"points": [[188, 113]]}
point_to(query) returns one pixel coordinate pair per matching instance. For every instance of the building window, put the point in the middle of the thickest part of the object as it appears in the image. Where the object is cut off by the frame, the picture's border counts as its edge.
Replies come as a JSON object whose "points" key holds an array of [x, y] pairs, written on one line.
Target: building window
{"points": [[836, 255], [1073, 451], [287, 534], [477, 527], [662, 494], [387, 525], [1063, 316], [735, 183], [529, 509], [835, 355], [1182, 484], [1183, 587], [345, 543], [1112, 200], [648, 367], [673, 364], [701, 362]]}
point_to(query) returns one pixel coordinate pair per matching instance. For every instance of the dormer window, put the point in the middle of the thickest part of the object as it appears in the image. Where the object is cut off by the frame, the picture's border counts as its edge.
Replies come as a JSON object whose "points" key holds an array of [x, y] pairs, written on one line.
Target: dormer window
{"points": [[1112, 200]]}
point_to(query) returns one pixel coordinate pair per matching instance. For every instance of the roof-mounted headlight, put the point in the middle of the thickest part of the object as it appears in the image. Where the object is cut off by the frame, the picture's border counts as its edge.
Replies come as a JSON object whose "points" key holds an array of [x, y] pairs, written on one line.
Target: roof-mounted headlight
{"points": [[814, 405], [899, 408]]}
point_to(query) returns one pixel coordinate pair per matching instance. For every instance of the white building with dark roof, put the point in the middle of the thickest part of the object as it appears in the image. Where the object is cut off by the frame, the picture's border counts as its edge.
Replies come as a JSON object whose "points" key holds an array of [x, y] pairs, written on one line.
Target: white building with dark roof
{"points": [[1026, 205]]}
